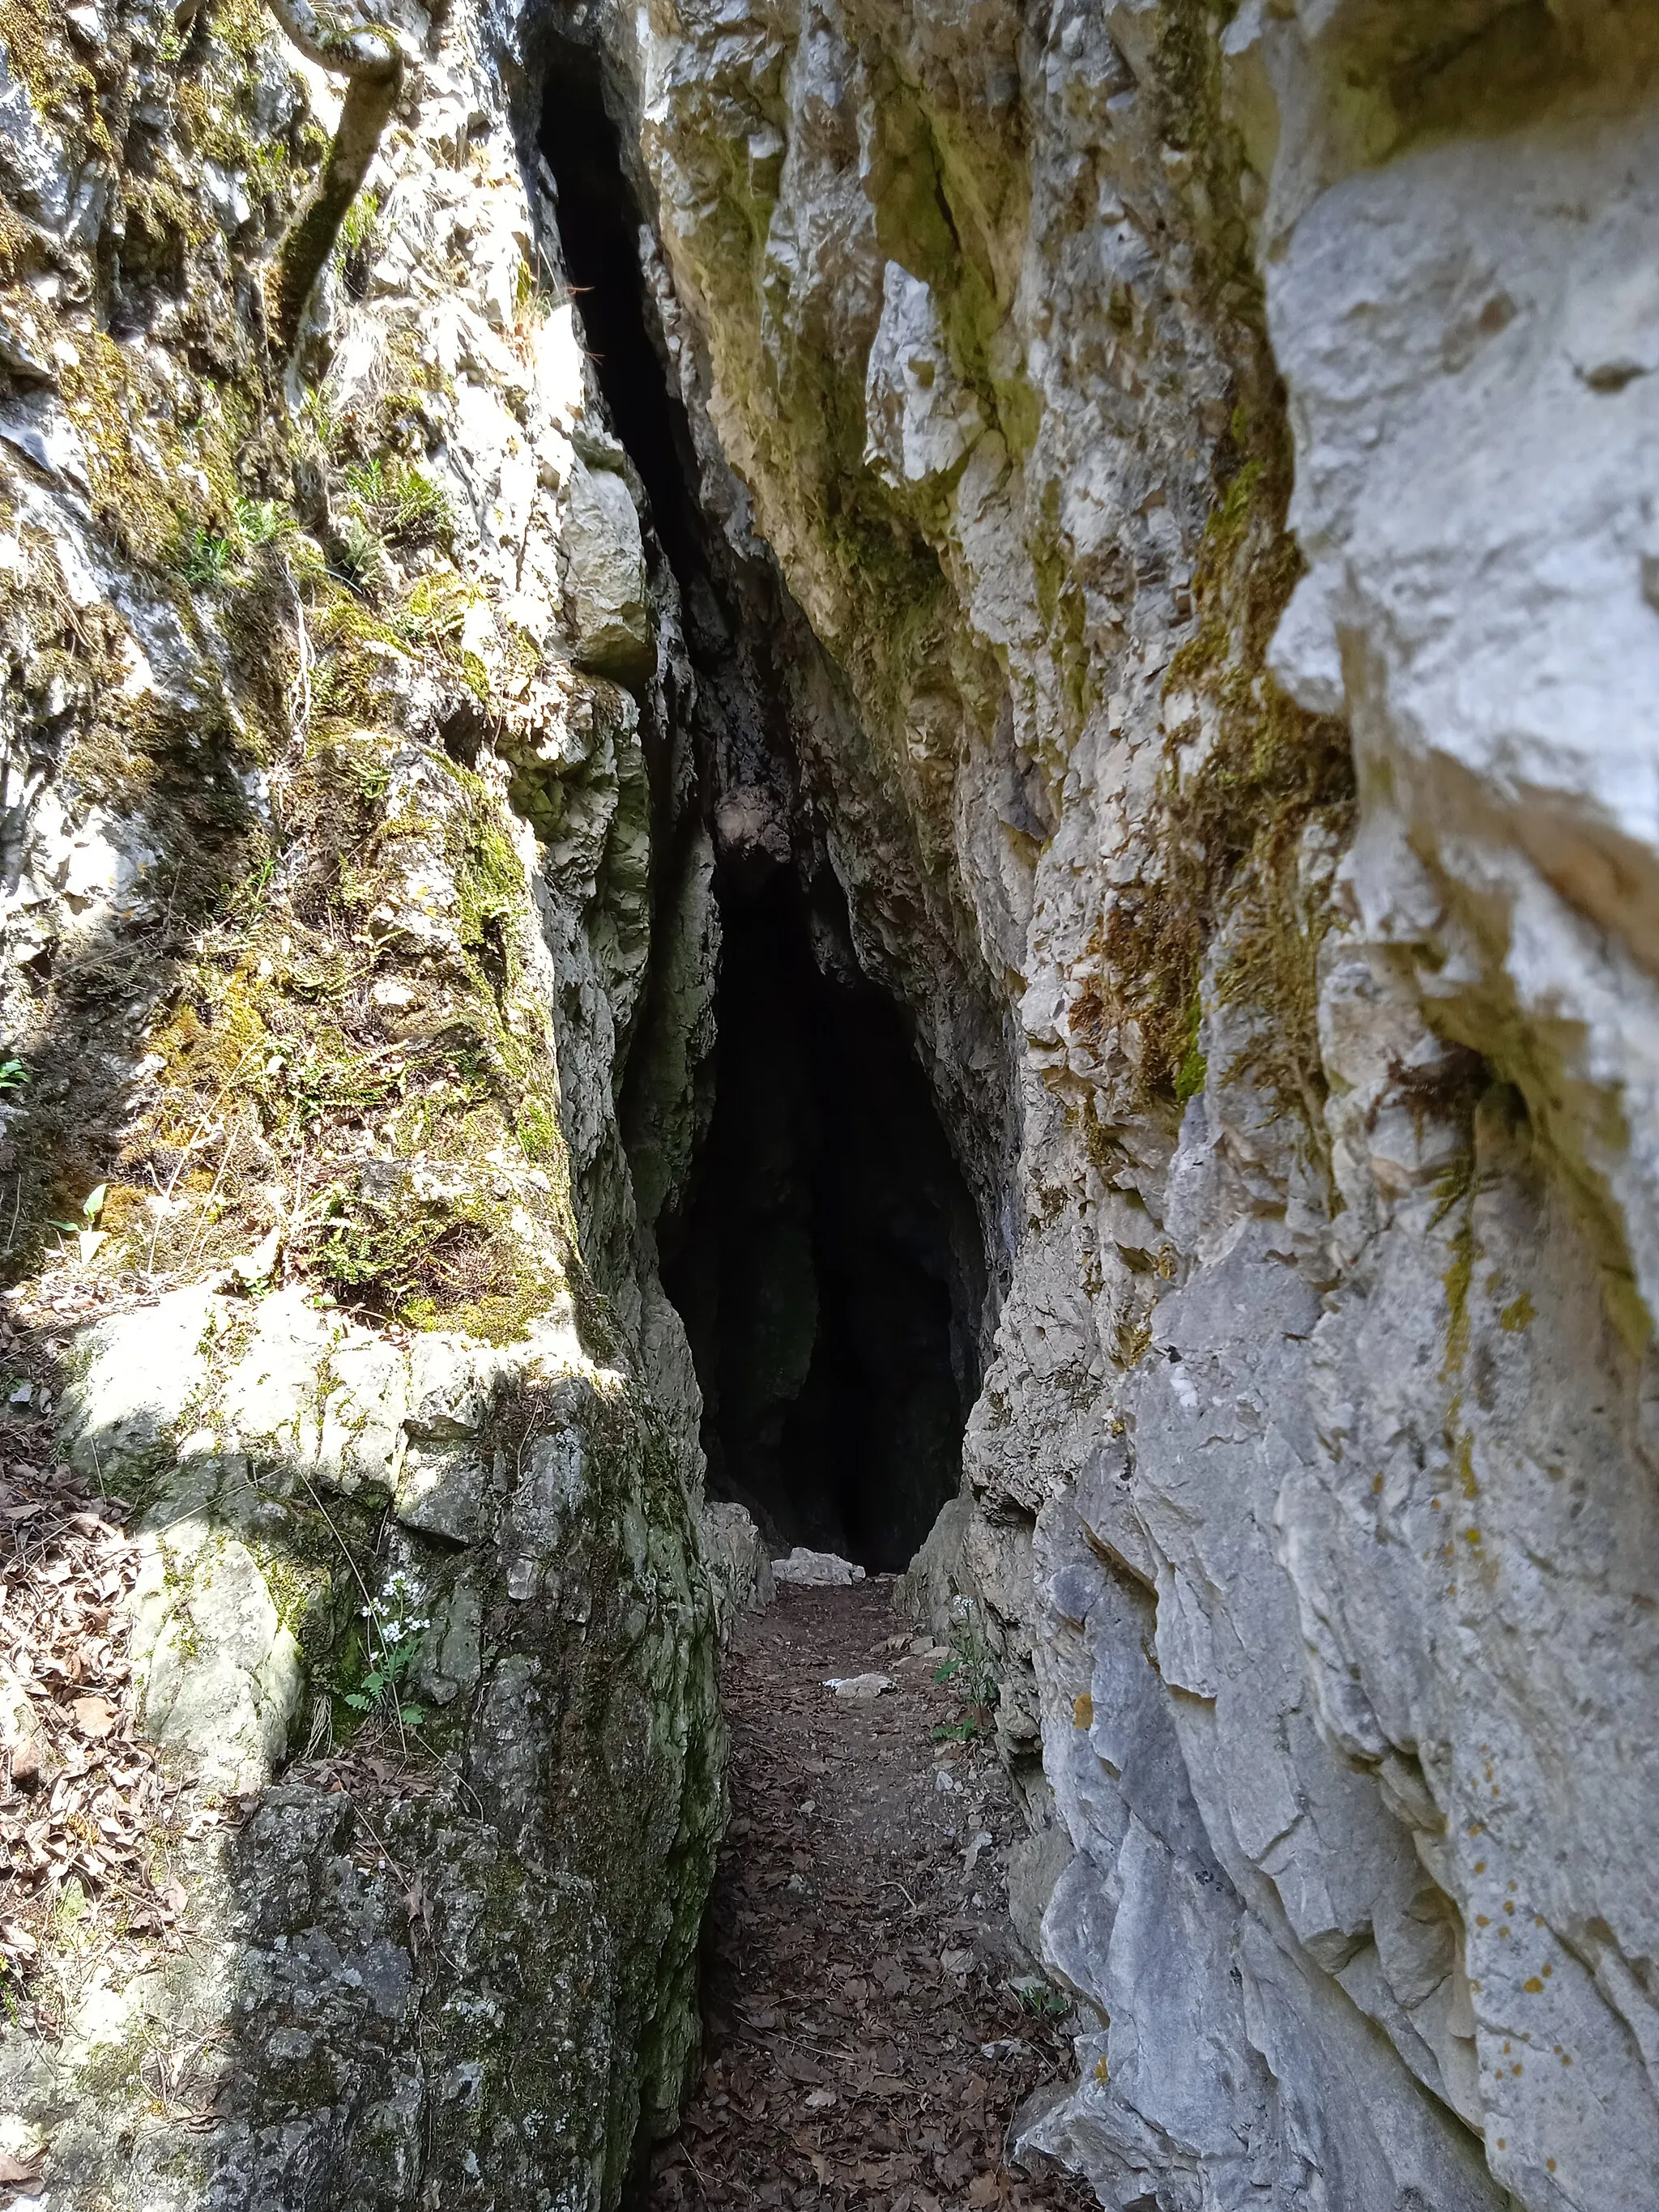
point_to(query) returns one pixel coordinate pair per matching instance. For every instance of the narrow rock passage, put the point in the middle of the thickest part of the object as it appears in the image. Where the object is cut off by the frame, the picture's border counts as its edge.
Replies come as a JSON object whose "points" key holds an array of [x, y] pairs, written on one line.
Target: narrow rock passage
{"points": [[865, 2045]]}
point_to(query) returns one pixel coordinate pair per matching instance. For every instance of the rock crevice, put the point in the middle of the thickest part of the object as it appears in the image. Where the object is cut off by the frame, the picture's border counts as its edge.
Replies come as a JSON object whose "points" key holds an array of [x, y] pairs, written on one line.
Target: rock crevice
{"points": [[1083, 573]]}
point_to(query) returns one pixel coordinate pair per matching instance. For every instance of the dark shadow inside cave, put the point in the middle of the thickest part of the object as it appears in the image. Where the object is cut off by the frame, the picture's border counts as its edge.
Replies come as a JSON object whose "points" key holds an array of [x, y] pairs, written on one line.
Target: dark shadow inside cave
{"points": [[828, 1263], [827, 1268]]}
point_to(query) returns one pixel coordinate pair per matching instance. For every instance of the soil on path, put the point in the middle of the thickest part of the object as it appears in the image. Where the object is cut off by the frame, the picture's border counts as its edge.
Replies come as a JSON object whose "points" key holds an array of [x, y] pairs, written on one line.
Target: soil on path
{"points": [[866, 2047]]}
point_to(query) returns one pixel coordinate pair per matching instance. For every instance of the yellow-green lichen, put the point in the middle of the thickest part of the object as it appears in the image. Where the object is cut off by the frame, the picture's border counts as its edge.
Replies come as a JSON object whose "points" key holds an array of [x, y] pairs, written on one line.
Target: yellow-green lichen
{"points": [[1456, 1281], [1235, 817], [62, 90]]}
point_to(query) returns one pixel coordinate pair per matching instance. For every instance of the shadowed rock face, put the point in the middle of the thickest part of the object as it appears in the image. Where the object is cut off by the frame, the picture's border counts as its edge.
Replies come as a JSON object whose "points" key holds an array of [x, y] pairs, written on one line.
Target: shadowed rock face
{"points": [[425, 1949], [828, 1266]]}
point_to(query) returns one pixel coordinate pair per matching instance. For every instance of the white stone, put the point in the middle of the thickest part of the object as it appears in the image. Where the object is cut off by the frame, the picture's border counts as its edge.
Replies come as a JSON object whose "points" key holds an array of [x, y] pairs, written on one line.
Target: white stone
{"points": [[918, 422], [38, 427], [810, 1569], [860, 1689], [605, 567], [31, 159], [133, 1379], [272, 1396], [219, 1676]]}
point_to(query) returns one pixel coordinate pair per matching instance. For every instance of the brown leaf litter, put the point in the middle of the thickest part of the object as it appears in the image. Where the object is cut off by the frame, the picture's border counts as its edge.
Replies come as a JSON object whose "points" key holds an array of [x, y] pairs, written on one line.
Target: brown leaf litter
{"points": [[867, 2045], [89, 1823]]}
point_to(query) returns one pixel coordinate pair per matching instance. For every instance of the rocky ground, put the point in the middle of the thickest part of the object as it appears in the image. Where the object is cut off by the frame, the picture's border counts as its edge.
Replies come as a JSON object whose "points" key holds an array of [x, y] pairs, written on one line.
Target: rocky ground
{"points": [[873, 2027]]}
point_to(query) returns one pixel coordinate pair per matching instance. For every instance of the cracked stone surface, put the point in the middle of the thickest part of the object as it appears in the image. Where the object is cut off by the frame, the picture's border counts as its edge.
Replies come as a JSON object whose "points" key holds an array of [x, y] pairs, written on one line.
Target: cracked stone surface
{"points": [[1312, 1483], [1191, 482]]}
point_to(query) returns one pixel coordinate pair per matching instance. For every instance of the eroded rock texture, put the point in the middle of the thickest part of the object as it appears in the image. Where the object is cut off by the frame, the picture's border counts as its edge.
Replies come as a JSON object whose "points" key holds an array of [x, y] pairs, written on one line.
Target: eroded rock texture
{"points": [[1285, 855], [1157, 555], [328, 844]]}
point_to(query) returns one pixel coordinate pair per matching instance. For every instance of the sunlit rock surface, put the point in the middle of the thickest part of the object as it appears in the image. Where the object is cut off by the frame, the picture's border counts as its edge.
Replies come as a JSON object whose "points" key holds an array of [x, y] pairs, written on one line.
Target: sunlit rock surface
{"points": [[327, 854], [1190, 481], [1305, 835]]}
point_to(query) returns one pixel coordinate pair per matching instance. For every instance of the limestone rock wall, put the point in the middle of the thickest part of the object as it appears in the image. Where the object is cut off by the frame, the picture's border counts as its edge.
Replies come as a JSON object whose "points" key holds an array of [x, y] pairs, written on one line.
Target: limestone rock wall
{"points": [[1181, 471], [328, 847], [1209, 445]]}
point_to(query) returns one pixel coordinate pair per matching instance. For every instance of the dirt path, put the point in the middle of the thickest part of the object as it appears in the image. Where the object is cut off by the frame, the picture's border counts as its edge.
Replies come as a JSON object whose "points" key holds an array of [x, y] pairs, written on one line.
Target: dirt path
{"points": [[866, 2047]]}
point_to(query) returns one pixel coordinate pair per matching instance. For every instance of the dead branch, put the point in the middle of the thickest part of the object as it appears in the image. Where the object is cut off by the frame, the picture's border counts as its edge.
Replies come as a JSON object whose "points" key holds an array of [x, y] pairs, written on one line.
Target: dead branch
{"points": [[356, 50], [368, 56]]}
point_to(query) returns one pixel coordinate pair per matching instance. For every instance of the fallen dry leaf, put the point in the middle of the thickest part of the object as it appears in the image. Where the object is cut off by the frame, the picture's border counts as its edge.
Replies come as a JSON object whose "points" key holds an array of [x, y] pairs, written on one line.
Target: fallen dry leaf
{"points": [[77, 1797], [12, 2171], [845, 2073]]}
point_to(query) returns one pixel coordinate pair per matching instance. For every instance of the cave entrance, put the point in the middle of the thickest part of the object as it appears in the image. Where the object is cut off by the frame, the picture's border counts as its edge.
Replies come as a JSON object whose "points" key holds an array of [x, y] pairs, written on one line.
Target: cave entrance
{"points": [[827, 1268], [827, 1262]]}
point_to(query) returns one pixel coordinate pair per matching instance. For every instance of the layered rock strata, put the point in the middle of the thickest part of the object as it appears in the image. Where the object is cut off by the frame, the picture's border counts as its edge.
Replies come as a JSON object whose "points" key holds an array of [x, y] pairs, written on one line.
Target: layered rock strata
{"points": [[1207, 445]]}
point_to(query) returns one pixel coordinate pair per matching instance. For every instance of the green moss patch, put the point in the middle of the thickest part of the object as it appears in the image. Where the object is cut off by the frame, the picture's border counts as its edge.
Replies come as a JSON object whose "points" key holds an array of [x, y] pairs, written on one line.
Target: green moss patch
{"points": [[1257, 769]]}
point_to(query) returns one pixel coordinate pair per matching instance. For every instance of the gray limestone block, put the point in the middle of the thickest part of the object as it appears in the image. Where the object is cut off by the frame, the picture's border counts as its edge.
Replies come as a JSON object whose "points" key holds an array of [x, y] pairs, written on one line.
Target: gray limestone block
{"points": [[133, 1381], [32, 159], [737, 1562], [1035, 1864], [604, 566], [445, 1490], [219, 1677], [935, 1576]]}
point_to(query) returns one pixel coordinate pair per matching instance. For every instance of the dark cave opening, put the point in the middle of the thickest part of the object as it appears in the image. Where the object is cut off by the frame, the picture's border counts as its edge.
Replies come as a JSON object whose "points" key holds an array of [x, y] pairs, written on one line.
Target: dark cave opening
{"points": [[827, 1262], [826, 1268]]}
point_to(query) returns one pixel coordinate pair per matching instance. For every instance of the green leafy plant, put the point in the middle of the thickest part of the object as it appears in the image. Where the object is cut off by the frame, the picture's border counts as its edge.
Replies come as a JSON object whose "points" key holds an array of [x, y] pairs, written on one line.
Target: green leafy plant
{"points": [[973, 1678], [400, 501], [89, 1237], [423, 512], [13, 1075], [367, 481], [380, 1685], [434, 613], [1037, 1998], [204, 559], [393, 1630], [263, 521], [360, 557]]}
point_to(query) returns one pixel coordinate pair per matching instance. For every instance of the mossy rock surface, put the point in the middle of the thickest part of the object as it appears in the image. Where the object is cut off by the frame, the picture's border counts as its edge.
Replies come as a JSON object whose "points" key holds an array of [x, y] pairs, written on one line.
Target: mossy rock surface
{"points": [[335, 850]]}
